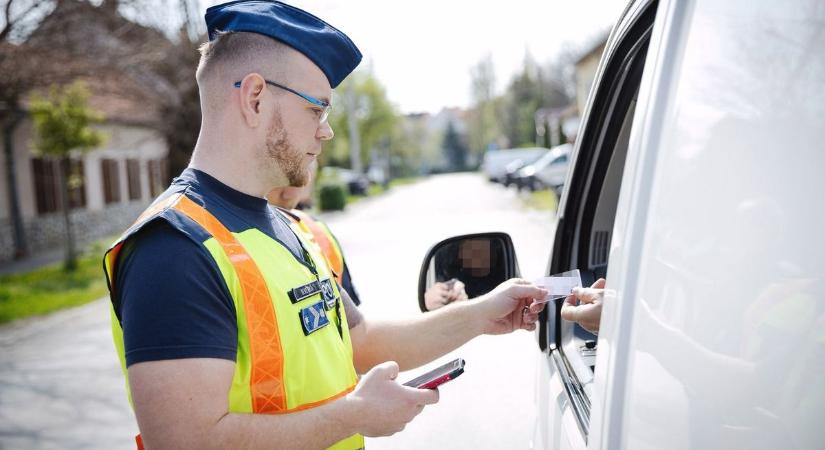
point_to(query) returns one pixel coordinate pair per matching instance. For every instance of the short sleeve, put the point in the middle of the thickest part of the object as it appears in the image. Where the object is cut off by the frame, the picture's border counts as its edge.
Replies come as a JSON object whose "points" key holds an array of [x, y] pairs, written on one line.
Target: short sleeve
{"points": [[346, 277], [173, 302], [346, 283]]}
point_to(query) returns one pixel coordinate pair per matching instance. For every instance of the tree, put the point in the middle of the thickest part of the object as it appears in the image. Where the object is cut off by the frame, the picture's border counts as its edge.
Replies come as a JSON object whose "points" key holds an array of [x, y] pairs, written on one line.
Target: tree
{"points": [[62, 125], [522, 100], [378, 123], [454, 148], [483, 124]]}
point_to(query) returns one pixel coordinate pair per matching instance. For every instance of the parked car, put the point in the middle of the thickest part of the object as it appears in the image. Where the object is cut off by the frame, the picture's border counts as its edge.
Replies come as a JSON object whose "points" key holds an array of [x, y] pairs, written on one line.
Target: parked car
{"points": [[549, 171], [511, 171], [696, 190], [494, 163]]}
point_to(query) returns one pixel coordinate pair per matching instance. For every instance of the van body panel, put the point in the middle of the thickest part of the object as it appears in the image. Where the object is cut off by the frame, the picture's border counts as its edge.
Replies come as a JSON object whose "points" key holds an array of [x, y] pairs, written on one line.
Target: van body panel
{"points": [[730, 268], [712, 334]]}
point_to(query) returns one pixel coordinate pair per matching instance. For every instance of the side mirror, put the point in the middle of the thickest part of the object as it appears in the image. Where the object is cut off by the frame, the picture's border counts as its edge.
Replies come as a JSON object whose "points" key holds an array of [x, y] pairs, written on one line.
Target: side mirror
{"points": [[479, 261]]}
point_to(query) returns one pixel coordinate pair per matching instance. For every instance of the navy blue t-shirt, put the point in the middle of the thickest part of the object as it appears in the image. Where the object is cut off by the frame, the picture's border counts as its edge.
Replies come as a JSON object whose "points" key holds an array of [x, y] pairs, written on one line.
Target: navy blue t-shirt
{"points": [[172, 300]]}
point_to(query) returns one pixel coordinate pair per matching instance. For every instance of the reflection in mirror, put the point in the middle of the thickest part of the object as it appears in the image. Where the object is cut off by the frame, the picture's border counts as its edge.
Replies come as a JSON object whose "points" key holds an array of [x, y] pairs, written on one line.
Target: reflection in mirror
{"points": [[475, 265]]}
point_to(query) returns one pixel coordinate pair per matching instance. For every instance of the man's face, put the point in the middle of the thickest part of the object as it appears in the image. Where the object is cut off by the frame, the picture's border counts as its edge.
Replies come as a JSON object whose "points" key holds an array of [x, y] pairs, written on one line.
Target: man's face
{"points": [[290, 159], [475, 256], [295, 135]]}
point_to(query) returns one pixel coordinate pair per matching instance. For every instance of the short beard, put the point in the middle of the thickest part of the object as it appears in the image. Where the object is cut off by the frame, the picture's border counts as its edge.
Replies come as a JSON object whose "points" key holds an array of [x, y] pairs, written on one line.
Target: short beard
{"points": [[279, 150]]}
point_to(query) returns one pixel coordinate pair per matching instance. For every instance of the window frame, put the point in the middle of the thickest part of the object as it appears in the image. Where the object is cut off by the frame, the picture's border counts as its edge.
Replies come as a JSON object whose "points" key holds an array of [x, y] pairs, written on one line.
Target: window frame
{"points": [[46, 176], [622, 63], [110, 178], [133, 179], [157, 173]]}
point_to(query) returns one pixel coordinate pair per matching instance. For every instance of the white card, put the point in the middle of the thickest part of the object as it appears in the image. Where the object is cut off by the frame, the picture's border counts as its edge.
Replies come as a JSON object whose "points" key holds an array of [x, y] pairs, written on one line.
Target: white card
{"points": [[560, 285]]}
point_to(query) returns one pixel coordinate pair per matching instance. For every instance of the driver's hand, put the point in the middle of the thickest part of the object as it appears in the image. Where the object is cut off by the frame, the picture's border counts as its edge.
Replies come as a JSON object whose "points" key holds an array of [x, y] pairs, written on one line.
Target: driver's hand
{"points": [[584, 306]]}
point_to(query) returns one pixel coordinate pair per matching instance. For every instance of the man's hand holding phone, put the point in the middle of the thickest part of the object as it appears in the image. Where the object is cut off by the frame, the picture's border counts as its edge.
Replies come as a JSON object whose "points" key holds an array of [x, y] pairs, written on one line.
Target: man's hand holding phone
{"points": [[382, 406]]}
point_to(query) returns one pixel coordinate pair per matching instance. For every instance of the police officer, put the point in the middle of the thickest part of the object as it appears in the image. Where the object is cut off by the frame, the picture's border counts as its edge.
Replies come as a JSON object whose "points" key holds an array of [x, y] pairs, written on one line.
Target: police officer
{"points": [[229, 325]]}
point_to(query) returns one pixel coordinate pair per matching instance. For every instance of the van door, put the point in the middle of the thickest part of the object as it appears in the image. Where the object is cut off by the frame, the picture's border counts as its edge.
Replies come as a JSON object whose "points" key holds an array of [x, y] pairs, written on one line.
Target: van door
{"points": [[716, 335], [583, 235]]}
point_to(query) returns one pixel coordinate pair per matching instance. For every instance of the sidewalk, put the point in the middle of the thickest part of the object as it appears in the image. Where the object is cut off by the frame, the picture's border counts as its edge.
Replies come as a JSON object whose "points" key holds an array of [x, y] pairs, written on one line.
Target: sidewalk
{"points": [[60, 383], [32, 262]]}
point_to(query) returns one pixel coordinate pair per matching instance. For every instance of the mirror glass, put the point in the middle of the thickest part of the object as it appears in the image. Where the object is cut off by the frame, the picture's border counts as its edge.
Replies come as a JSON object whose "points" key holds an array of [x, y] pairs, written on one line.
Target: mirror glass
{"points": [[465, 268]]}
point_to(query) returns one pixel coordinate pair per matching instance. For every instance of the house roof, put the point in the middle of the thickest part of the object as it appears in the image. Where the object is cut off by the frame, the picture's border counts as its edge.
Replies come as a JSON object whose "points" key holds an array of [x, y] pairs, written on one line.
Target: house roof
{"points": [[113, 56], [595, 49]]}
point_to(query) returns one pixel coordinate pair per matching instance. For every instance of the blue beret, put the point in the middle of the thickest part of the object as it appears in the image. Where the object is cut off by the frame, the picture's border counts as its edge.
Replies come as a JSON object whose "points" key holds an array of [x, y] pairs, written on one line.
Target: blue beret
{"points": [[331, 50]]}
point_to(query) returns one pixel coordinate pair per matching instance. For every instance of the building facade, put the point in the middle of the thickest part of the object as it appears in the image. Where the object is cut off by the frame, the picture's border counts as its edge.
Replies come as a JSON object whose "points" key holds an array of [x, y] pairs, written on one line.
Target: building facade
{"points": [[109, 187]]}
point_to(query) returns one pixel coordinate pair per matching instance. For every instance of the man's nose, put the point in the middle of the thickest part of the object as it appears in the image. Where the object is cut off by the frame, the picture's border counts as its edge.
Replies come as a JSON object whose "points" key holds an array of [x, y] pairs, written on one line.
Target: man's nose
{"points": [[325, 132]]}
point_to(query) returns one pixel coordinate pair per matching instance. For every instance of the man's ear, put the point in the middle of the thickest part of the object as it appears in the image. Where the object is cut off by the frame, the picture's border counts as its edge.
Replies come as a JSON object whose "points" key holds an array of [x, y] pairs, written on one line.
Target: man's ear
{"points": [[251, 94]]}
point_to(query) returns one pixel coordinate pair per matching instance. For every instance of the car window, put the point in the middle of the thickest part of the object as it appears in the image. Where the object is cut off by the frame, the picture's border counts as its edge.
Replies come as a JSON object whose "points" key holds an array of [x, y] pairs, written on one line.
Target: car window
{"points": [[584, 229]]}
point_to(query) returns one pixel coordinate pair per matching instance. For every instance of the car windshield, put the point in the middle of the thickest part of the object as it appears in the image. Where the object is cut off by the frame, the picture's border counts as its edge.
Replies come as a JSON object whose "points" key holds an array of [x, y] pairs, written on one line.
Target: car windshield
{"points": [[552, 155]]}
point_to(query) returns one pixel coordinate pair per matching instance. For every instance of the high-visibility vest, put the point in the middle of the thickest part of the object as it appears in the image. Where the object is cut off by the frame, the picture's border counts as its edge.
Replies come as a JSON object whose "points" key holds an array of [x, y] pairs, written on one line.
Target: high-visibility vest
{"points": [[320, 234], [279, 368]]}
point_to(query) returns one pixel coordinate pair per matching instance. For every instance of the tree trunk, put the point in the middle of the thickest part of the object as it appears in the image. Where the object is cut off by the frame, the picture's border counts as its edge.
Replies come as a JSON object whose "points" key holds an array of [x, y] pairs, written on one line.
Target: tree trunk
{"points": [[351, 104], [19, 235], [71, 251]]}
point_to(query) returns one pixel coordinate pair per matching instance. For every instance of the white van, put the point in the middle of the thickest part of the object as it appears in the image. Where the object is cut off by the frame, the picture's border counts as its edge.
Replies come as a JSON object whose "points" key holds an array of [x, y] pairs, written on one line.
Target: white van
{"points": [[697, 189]]}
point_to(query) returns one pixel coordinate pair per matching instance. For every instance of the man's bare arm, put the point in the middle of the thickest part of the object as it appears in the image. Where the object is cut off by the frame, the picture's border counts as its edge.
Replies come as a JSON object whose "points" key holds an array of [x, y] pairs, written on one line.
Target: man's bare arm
{"points": [[183, 403], [422, 338]]}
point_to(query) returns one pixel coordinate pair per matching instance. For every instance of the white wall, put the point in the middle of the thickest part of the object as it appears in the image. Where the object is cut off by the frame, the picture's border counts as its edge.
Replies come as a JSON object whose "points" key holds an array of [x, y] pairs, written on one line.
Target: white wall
{"points": [[122, 142]]}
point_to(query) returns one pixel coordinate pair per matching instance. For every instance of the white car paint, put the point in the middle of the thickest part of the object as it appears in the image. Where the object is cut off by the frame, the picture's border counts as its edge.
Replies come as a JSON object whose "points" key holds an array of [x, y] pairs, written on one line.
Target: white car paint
{"points": [[713, 330], [552, 168]]}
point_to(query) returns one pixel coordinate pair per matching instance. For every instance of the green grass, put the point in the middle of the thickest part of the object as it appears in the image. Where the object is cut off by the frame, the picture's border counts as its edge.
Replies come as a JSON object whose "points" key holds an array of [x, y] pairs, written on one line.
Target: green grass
{"points": [[377, 189], [50, 288], [544, 200], [404, 180]]}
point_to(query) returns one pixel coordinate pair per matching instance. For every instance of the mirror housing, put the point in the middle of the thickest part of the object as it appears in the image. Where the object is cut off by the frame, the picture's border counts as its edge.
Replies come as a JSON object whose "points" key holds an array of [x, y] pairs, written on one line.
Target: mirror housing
{"points": [[480, 261]]}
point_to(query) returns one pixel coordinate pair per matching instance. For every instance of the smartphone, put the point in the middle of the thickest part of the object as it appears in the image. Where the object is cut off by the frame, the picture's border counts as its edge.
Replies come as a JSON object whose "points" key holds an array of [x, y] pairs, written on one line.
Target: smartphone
{"points": [[438, 376]]}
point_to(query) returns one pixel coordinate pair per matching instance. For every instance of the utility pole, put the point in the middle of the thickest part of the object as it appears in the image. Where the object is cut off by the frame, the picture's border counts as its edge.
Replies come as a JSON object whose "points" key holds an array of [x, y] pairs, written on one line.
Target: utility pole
{"points": [[352, 124]]}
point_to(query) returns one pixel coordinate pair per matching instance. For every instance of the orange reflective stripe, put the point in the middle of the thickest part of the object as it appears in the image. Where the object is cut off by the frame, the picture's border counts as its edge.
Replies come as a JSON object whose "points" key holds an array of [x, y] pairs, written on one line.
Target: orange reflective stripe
{"points": [[158, 207], [109, 259], [328, 248], [266, 354]]}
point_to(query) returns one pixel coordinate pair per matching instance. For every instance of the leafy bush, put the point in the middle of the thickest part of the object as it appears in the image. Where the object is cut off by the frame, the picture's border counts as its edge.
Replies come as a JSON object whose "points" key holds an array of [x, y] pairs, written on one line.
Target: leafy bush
{"points": [[332, 197]]}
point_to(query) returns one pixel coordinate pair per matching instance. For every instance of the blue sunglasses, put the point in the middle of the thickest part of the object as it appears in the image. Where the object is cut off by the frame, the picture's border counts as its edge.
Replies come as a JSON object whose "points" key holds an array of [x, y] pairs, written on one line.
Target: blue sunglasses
{"points": [[325, 107]]}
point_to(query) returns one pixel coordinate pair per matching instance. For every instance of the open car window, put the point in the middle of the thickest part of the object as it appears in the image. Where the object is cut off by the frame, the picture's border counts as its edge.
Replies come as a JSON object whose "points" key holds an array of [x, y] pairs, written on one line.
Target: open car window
{"points": [[584, 230]]}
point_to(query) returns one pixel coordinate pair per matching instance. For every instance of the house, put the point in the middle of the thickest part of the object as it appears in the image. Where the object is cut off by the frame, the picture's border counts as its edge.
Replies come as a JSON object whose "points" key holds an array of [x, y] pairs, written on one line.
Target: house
{"points": [[586, 67], [112, 184], [554, 126]]}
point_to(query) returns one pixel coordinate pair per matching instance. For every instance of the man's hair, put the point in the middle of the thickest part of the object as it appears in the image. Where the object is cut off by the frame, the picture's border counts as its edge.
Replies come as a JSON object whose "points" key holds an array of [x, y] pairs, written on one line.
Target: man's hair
{"points": [[231, 56]]}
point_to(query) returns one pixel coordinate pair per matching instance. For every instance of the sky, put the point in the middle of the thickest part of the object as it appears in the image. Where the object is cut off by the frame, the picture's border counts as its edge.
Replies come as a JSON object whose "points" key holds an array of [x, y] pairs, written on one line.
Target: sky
{"points": [[422, 51]]}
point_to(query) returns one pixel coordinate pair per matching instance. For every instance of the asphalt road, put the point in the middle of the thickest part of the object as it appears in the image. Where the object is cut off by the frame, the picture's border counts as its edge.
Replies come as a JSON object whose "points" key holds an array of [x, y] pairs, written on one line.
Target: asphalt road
{"points": [[61, 386]]}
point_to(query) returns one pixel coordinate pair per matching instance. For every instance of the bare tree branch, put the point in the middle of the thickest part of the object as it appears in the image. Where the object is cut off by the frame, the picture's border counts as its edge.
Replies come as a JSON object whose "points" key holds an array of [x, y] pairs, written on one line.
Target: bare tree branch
{"points": [[7, 19]]}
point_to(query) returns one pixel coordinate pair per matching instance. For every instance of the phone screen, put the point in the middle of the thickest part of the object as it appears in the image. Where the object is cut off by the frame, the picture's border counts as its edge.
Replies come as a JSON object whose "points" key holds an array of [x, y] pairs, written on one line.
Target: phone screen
{"points": [[438, 376]]}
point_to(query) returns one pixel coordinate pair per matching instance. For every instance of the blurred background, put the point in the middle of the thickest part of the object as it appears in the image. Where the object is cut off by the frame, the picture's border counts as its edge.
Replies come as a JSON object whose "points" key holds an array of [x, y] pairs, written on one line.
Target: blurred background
{"points": [[459, 119]]}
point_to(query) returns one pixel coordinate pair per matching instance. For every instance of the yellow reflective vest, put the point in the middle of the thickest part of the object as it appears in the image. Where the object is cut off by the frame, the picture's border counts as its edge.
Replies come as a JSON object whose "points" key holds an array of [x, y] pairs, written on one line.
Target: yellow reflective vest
{"points": [[280, 367]]}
